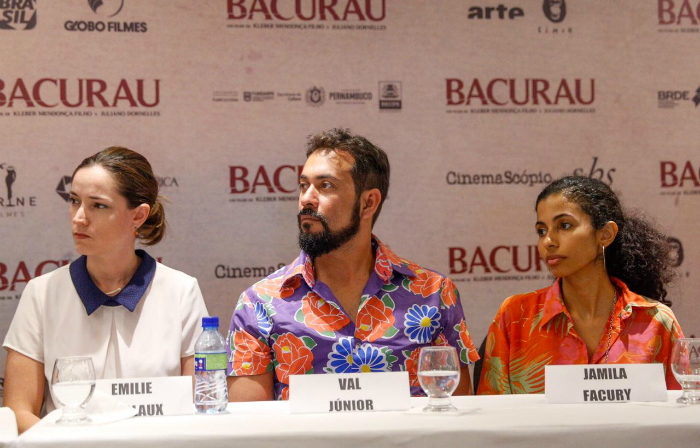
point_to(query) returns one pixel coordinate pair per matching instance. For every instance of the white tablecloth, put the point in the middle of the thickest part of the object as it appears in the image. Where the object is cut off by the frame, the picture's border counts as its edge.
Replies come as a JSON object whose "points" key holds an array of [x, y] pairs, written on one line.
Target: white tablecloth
{"points": [[512, 421], [8, 427]]}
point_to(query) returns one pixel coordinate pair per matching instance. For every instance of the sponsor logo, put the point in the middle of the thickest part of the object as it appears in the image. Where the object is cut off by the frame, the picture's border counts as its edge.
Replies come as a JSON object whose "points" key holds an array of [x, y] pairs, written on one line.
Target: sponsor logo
{"points": [[554, 10], [307, 14], [497, 12], [258, 96], [670, 99], [679, 178], [17, 14], [525, 178], [226, 271], [63, 188], [390, 95], [14, 275], [679, 16], [315, 96], [497, 263], [78, 96], [225, 96], [528, 95], [676, 253], [350, 96], [106, 9], [264, 184], [12, 205]]}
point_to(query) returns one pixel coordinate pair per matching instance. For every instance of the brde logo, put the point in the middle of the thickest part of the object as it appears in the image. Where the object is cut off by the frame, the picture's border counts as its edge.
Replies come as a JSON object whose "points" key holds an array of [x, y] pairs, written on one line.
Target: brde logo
{"points": [[17, 14]]}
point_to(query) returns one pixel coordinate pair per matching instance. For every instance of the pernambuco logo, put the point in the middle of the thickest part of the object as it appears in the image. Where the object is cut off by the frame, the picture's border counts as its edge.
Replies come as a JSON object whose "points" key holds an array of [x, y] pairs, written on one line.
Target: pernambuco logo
{"points": [[315, 96]]}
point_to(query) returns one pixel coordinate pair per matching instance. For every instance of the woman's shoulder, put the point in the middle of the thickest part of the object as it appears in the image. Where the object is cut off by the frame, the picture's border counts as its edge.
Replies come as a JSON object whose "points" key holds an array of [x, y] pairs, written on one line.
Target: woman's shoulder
{"points": [[519, 300], [173, 276], [59, 275]]}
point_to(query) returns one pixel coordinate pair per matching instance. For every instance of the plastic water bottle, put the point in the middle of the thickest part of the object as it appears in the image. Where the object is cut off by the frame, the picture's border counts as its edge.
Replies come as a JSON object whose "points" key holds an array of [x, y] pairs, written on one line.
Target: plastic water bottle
{"points": [[210, 389]]}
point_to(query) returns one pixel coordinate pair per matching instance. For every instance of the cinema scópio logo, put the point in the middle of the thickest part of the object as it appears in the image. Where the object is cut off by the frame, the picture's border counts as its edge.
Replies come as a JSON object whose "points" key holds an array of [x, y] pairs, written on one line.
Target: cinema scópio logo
{"points": [[18, 14]]}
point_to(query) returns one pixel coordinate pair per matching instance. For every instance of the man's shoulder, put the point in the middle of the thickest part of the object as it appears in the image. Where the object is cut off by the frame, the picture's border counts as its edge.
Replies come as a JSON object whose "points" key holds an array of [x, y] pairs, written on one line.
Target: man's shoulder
{"points": [[280, 284]]}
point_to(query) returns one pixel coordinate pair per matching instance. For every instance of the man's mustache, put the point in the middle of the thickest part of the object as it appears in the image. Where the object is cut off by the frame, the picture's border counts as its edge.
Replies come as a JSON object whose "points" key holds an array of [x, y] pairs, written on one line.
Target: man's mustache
{"points": [[312, 213]]}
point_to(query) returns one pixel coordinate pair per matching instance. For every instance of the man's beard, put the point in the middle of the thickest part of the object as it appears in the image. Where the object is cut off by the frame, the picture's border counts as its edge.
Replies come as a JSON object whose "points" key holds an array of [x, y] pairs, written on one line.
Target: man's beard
{"points": [[317, 244]]}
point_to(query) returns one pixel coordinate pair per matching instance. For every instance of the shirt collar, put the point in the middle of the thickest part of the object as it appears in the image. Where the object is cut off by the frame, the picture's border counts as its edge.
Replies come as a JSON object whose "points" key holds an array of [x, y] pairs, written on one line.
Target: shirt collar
{"points": [[626, 300], [92, 297], [386, 262]]}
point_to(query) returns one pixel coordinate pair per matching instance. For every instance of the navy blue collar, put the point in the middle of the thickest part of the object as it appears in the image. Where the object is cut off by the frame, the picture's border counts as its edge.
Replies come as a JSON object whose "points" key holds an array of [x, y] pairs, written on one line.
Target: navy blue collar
{"points": [[128, 297]]}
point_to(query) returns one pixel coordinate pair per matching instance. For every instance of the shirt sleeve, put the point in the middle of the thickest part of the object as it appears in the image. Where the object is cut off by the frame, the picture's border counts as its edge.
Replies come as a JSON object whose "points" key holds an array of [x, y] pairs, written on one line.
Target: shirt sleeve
{"points": [[454, 330], [495, 373], [193, 309], [248, 343], [26, 333]]}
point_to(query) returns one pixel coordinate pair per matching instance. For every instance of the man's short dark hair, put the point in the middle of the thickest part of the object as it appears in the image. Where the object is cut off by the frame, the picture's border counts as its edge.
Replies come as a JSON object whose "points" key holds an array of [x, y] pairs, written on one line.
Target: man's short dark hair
{"points": [[371, 167]]}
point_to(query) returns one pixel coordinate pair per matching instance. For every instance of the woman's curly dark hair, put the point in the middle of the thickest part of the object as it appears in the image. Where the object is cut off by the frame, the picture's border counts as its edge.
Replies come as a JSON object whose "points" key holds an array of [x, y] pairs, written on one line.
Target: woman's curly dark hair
{"points": [[640, 254]]}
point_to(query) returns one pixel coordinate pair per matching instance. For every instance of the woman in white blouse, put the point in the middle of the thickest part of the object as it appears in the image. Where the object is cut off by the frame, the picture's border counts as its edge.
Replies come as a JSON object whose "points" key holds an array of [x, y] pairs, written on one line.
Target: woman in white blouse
{"points": [[134, 316]]}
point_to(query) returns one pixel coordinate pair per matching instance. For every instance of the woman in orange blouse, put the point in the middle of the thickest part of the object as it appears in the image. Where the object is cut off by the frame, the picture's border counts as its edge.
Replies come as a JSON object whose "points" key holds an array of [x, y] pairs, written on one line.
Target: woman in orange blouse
{"points": [[608, 302]]}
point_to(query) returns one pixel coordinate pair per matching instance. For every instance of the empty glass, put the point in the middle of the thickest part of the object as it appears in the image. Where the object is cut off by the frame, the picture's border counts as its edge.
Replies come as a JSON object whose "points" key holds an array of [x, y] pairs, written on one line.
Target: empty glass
{"points": [[438, 374], [72, 385], [685, 363]]}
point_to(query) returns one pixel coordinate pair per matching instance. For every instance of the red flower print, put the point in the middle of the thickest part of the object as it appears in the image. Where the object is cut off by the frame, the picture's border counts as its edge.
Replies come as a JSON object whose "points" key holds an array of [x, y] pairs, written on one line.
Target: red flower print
{"points": [[293, 356], [425, 282], [251, 357], [321, 315], [373, 320]]}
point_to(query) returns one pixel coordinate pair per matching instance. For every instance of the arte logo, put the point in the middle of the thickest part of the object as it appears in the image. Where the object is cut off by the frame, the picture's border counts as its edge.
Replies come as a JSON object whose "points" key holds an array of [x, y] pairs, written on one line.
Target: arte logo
{"points": [[679, 12], [17, 14], [47, 93], [508, 92], [315, 96], [554, 10], [513, 260], [676, 252], [12, 204], [390, 95], [106, 9], [280, 180], [11, 276], [500, 12], [308, 10], [683, 176], [670, 99]]}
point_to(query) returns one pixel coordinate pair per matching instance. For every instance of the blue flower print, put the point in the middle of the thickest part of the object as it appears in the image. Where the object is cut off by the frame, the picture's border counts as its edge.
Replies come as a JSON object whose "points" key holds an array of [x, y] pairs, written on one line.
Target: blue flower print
{"points": [[421, 323], [369, 359], [340, 360], [264, 321]]}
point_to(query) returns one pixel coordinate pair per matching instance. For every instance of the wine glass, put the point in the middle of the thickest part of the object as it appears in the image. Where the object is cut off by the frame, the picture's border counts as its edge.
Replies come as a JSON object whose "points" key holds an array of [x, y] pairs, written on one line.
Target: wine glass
{"points": [[438, 374], [685, 363], [72, 385]]}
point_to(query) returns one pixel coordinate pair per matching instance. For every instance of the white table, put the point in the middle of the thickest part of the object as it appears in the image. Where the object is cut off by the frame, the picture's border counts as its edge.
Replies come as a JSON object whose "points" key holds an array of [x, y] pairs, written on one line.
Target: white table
{"points": [[512, 421]]}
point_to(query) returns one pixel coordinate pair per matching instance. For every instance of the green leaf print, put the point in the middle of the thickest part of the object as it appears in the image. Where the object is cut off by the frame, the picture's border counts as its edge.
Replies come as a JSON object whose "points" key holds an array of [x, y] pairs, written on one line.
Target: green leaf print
{"points": [[308, 342], [388, 302]]}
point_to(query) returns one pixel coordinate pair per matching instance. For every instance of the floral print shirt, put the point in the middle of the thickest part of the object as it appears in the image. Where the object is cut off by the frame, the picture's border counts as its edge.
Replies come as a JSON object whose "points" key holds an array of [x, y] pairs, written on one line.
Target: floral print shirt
{"points": [[292, 324], [535, 329]]}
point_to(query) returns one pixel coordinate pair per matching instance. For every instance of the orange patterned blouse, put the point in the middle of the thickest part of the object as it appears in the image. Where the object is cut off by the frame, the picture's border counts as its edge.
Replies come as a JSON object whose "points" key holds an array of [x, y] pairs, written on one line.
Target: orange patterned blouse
{"points": [[535, 329]]}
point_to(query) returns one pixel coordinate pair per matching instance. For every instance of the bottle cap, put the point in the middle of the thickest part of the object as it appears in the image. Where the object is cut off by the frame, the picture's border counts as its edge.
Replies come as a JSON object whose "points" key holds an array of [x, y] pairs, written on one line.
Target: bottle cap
{"points": [[212, 321]]}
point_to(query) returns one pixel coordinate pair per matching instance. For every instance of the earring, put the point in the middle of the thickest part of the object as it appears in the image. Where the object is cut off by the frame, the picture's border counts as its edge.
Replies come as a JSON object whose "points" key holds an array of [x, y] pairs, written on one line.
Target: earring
{"points": [[136, 231], [604, 266]]}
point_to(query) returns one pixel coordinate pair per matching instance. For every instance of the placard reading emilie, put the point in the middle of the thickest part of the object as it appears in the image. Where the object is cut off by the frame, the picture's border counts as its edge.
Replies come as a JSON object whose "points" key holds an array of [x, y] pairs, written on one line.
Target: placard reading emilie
{"points": [[152, 396], [349, 392], [603, 383]]}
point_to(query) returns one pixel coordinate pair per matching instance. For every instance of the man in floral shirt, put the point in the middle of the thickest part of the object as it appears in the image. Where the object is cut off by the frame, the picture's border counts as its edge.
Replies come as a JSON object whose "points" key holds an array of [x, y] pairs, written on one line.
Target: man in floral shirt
{"points": [[347, 303]]}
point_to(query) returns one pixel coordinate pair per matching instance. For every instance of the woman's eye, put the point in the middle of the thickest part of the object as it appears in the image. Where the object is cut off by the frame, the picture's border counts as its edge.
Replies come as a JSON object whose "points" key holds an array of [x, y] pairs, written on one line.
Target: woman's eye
{"points": [[327, 185], [541, 232], [73, 201], [565, 225], [100, 206]]}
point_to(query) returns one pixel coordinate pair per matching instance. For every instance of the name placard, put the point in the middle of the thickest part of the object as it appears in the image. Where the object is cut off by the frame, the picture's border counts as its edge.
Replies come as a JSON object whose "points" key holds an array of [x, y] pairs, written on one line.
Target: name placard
{"points": [[349, 392], [603, 383], [170, 395]]}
